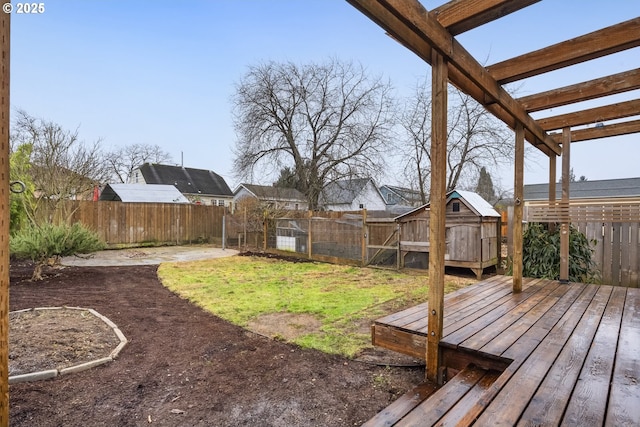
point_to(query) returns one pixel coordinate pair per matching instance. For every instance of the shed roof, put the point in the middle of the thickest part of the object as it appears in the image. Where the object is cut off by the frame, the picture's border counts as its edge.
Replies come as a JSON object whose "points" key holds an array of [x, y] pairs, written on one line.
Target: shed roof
{"points": [[186, 180], [154, 193], [473, 200], [606, 188]]}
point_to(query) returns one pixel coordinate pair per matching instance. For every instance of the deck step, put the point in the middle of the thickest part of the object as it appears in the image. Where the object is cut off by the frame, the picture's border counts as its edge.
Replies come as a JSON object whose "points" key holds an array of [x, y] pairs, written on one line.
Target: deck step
{"points": [[422, 406], [390, 415]]}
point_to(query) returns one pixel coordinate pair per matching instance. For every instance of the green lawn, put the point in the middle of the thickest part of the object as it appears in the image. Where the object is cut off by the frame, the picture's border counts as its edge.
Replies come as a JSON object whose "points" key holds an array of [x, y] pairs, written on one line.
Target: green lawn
{"points": [[343, 299]]}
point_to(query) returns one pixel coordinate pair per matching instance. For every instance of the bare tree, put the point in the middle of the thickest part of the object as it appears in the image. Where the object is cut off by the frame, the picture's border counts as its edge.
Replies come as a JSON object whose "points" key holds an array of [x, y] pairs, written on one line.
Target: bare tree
{"points": [[62, 166], [326, 121], [123, 160], [475, 140], [416, 154]]}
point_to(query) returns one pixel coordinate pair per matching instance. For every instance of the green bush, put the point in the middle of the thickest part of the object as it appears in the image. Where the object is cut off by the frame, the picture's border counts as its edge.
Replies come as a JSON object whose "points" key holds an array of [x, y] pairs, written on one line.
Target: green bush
{"points": [[45, 242], [541, 254]]}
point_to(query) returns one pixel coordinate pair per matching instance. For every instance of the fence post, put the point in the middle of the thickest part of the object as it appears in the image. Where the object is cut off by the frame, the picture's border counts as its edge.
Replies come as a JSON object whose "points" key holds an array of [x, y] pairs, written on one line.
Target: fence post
{"points": [[244, 239], [365, 235], [398, 251], [264, 231], [309, 238], [224, 229]]}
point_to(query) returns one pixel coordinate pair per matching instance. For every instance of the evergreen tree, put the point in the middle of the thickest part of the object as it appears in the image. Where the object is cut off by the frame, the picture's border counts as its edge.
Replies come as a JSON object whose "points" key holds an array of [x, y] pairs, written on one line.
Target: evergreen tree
{"points": [[485, 186]]}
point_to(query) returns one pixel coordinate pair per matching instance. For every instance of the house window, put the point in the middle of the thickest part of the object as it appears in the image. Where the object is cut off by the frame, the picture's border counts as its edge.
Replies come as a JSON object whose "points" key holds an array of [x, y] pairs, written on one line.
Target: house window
{"points": [[361, 205], [220, 202], [456, 206], [297, 206]]}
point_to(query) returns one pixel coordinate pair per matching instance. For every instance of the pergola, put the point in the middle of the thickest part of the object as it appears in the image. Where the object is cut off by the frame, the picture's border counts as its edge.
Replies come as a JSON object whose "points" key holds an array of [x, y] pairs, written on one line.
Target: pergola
{"points": [[432, 36]]}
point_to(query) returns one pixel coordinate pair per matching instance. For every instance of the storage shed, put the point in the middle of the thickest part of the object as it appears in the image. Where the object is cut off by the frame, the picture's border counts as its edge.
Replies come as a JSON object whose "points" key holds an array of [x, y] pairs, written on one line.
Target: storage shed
{"points": [[472, 234], [142, 193]]}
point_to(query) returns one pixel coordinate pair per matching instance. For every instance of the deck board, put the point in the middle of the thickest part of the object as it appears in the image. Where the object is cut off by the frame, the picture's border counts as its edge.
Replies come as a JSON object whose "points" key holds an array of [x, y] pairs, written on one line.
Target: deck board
{"points": [[624, 398], [493, 315], [569, 352], [433, 409], [551, 398], [588, 401]]}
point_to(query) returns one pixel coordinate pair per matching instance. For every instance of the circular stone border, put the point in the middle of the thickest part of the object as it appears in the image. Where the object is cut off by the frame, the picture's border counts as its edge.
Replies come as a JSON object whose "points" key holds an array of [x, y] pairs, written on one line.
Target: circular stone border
{"points": [[52, 373]]}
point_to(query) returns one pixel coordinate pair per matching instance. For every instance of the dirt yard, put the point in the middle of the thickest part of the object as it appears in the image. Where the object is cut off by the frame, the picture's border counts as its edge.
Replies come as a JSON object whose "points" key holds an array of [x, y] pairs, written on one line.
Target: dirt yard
{"points": [[185, 367]]}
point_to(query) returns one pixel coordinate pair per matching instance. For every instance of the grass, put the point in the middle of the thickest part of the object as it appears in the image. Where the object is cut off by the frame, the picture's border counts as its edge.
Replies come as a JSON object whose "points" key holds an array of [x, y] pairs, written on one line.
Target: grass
{"points": [[241, 289]]}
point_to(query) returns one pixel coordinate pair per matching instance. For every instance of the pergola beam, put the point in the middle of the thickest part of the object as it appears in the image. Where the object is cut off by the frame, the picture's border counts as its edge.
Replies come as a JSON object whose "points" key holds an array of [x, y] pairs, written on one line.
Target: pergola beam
{"points": [[410, 23], [458, 16], [592, 89], [615, 129], [616, 38], [615, 111]]}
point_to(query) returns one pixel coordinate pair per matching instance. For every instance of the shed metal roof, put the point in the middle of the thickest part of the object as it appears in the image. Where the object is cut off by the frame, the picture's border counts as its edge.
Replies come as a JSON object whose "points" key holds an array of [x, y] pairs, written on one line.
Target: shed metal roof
{"points": [[144, 193], [473, 200]]}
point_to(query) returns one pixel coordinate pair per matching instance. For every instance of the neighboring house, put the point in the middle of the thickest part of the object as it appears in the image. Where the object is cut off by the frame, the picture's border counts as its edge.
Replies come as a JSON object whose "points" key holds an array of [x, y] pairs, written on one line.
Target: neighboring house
{"points": [[602, 189], [275, 197], [352, 195], [400, 196], [142, 193], [197, 185]]}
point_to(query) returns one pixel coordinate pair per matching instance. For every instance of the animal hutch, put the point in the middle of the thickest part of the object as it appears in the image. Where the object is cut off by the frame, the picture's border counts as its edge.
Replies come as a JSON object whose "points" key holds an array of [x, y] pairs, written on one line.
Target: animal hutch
{"points": [[472, 234]]}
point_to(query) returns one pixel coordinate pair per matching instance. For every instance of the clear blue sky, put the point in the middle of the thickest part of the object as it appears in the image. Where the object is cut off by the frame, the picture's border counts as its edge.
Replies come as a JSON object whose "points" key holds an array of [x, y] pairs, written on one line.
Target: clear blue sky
{"points": [[163, 72]]}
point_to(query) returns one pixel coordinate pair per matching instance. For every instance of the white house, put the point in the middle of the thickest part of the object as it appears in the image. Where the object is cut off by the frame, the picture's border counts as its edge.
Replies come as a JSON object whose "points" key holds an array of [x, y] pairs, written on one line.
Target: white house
{"points": [[352, 195]]}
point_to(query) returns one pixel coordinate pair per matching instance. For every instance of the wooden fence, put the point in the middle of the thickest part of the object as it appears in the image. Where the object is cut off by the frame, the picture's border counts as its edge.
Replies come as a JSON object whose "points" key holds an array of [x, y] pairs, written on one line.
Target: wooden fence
{"points": [[131, 224], [614, 226]]}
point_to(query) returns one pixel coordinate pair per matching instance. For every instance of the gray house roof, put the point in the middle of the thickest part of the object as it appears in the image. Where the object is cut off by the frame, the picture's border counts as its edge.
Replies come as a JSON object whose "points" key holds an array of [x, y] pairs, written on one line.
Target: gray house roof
{"points": [[155, 193], [186, 180], [607, 188], [394, 195], [268, 192], [343, 192]]}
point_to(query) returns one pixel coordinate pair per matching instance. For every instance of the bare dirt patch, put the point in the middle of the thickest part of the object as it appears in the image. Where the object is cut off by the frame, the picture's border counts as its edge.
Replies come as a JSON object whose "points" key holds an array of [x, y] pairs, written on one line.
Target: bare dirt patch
{"points": [[287, 326], [55, 339], [185, 367]]}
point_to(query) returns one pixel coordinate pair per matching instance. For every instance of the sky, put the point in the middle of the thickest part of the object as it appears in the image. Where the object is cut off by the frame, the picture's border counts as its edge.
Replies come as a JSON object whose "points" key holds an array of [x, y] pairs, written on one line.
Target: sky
{"points": [[164, 72]]}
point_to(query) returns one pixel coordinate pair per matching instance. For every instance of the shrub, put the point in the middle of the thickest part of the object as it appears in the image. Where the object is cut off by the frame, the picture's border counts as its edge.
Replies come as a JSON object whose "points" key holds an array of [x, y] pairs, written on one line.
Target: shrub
{"points": [[45, 242], [541, 254]]}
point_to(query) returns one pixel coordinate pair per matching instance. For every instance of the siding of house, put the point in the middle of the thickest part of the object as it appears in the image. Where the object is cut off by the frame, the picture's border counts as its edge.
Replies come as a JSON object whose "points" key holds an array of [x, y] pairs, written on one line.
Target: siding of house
{"points": [[369, 198]]}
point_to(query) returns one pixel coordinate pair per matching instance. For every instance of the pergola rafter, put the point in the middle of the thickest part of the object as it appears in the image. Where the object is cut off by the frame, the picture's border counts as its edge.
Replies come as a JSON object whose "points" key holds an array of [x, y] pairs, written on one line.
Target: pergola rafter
{"points": [[580, 49], [592, 89], [460, 16], [431, 34]]}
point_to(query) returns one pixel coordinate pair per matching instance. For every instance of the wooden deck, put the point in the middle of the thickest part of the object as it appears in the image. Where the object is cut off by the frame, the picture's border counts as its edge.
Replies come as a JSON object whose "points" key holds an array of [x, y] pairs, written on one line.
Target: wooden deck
{"points": [[551, 355]]}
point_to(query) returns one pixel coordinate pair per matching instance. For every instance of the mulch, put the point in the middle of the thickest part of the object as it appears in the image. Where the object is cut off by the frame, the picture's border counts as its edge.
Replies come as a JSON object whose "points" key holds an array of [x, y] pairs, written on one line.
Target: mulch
{"points": [[185, 367]]}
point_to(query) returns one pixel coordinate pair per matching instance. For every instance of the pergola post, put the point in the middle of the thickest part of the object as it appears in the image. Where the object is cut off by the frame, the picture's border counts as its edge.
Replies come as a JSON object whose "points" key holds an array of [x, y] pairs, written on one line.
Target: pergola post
{"points": [[437, 201], [564, 226], [518, 208], [5, 24], [552, 187]]}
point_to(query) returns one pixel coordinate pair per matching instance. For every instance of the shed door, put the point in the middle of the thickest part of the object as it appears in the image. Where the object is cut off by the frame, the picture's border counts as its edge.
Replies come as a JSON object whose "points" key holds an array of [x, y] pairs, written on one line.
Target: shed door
{"points": [[462, 242]]}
